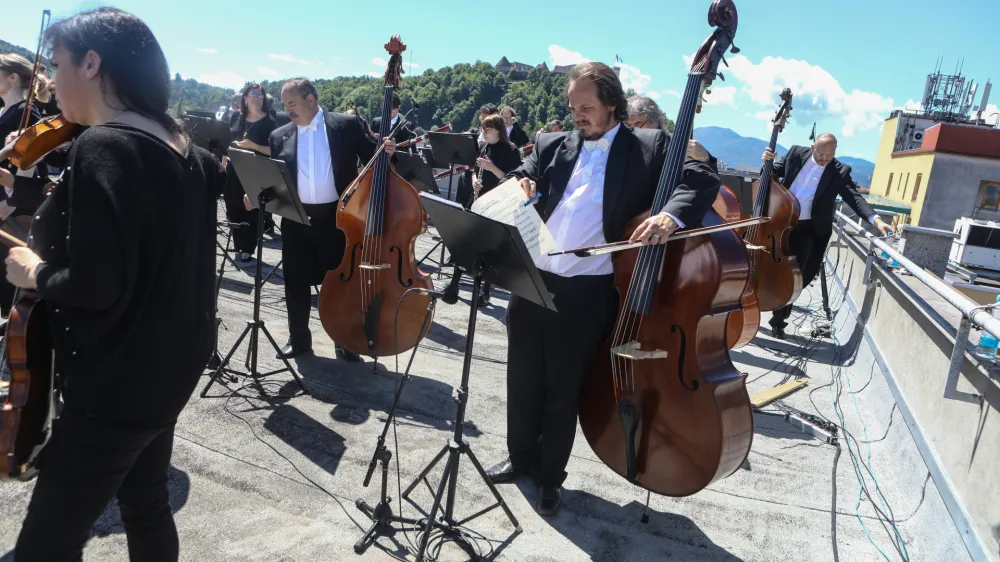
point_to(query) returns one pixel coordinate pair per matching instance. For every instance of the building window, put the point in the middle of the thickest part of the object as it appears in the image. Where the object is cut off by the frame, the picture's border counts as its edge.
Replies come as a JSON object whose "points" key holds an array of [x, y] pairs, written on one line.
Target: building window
{"points": [[888, 188], [906, 185], [991, 196], [916, 188]]}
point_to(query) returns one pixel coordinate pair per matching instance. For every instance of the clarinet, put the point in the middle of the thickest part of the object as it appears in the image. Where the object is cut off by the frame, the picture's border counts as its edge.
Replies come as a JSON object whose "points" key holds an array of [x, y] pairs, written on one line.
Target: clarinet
{"points": [[479, 174]]}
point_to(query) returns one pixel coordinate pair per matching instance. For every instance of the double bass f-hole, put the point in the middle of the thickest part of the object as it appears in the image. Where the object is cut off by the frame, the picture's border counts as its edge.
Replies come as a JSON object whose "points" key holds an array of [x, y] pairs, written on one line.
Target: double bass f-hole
{"points": [[354, 255], [774, 249], [681, 355], [399, 267]]}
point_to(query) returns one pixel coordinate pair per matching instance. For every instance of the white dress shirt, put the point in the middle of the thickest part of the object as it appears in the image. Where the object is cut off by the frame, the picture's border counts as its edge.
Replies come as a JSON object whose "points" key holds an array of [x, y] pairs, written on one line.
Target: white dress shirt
{"points": [[578, 219], [805, 185], [315, 168]]}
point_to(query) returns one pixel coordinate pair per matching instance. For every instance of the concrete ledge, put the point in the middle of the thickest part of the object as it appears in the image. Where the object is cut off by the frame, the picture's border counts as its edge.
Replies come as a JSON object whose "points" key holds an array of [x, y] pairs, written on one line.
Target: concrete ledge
{"points": [[907, 228]]}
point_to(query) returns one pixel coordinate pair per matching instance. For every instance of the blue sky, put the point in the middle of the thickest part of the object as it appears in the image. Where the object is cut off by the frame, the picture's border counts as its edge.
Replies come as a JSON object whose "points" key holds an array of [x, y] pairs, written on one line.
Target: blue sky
{"points": [[848, 62]]}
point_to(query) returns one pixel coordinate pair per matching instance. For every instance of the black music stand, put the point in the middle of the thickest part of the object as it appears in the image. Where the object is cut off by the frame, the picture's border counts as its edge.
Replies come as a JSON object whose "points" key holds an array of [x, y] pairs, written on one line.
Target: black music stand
{"points": [[415, 170], [489, 251], [209, 133], [224, 228], [266, 181], [450, 149]]}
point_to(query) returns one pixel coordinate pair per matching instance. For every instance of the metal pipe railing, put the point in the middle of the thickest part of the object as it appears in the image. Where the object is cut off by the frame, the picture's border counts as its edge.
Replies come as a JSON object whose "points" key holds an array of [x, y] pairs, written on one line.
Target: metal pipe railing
{"points": [[969, 309]]}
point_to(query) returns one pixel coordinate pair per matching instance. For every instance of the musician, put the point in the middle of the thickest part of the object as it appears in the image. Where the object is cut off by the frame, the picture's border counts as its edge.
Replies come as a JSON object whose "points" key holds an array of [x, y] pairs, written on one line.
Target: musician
{"points": [[644, 113], [321, 150], [485, 110], [252, 129], [592, 182], [15, 79], [233, 113], [123, 254], [554, 126], [514, 130], [498, 157], [403, 133], [815, 177]]}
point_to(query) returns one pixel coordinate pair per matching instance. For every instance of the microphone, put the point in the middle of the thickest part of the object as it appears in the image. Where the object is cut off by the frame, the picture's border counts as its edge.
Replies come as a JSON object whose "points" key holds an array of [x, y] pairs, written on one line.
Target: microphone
{"points": [[432, 294]]}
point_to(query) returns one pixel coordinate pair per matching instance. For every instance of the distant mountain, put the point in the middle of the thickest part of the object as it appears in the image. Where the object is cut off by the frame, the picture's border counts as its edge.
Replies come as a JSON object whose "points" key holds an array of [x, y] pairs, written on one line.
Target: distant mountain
{"points": [[6, 47], [734, 149]]}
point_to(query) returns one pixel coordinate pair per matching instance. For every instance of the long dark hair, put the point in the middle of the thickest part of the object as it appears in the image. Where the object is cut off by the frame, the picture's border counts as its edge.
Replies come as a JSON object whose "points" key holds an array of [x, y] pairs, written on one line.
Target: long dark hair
{"points": [[265, 104], [133, 66]]}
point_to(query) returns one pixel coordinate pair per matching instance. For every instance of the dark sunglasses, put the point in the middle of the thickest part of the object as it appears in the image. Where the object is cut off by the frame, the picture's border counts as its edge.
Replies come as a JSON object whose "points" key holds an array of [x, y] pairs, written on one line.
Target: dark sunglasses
{"points": [[256, 95]]}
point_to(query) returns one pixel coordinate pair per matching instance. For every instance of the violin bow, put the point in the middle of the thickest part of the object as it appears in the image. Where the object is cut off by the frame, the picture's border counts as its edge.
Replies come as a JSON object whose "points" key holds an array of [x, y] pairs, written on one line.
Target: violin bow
{"points": [[602, 249]]}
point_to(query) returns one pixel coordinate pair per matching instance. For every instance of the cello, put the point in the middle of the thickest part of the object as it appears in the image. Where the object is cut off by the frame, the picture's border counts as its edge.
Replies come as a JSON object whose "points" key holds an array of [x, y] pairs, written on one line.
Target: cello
{"points": [[380, 216], [664, 406], [774, 273]]}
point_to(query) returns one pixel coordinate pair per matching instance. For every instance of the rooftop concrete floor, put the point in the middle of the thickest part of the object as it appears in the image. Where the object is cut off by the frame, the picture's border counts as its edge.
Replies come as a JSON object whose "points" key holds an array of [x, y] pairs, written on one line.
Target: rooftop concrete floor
{"points": [[275, 479]]}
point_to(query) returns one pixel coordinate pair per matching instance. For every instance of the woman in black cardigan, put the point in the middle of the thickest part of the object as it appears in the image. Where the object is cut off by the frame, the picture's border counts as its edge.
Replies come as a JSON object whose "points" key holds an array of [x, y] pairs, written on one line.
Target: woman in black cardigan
{"points": [[123, 254]]}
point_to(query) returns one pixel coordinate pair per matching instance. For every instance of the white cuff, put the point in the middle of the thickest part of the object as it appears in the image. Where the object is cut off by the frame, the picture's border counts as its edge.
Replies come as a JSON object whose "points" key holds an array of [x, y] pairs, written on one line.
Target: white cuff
{"points": [[676, 220], [873, 218], [29, 173]]}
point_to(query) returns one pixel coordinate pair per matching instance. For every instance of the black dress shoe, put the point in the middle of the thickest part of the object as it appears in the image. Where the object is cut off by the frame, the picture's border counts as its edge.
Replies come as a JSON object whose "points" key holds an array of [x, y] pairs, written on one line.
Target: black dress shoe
{"points": [[548, 499], [290, 351], [778, 332], [503, 472], [349, 356]]}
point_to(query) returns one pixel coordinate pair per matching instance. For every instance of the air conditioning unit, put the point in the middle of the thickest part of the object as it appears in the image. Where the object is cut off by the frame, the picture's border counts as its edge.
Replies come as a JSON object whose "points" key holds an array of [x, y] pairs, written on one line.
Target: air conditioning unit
{"points": [[977, 245], [918, 137]]}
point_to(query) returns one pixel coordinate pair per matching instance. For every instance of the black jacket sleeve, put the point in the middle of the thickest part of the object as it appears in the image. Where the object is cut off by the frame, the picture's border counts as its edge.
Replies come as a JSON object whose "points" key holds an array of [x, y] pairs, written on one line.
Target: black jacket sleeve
{"points": [[29, 193], [364, 145], [518, 136], [848, 191], [695, 194]]}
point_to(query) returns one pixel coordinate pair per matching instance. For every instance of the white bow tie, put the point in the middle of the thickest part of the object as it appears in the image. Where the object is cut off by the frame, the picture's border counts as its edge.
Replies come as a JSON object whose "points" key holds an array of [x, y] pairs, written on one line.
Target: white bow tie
{"points": [[601, 144], [310, 127]]}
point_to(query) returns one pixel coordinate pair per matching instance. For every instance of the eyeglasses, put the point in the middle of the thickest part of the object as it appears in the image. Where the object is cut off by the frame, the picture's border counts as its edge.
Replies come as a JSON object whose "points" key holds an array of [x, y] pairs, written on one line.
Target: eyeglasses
{"points": [[256, 95]]}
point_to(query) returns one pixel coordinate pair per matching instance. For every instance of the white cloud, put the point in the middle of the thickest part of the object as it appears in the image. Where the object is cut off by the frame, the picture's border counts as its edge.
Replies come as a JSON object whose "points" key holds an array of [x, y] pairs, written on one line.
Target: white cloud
{"points": [[721, 95], [225, 79], [817, 93], [379, 61], [674, 93], [209, 51], [559, 55], [654, 95], [411, 64], [288, 58], [632, 78], [265, 71], [912, 105]]}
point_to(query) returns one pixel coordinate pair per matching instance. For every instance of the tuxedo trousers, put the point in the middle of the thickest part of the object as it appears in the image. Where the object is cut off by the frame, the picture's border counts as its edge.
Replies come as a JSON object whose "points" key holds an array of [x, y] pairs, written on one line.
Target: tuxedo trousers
{"points": [[809, 248]]}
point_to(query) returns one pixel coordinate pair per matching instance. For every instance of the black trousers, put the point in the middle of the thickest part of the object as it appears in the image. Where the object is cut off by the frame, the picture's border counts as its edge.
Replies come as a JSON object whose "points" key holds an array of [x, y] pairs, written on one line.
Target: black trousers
{"points": [[245, 238], [809, 248], [549, 356], [87, 462], [308, 252]]}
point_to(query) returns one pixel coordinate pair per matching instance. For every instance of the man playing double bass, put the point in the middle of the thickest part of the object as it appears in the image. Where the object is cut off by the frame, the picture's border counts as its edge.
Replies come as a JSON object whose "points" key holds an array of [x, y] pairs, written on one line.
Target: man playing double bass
{"points": [[815, 177], [592, 182], [321, 150]]}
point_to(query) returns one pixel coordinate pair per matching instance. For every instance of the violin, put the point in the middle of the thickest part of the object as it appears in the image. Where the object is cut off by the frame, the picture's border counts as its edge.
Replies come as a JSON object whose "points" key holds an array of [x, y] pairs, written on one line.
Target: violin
{"points": [[665, 407], [381, 216], [28, 409], [774, 273]]}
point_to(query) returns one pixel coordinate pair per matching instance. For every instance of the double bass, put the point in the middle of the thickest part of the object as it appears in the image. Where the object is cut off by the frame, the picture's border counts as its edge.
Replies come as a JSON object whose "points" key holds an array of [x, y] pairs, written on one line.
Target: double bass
{"points": [[744, 322], [775, 276], [381, 216], [665, 407]]}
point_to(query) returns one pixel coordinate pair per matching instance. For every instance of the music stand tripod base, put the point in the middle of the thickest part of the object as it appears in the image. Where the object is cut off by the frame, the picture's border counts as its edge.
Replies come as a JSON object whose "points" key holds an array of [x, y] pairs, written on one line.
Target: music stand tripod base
{"points": [[256, 326]]}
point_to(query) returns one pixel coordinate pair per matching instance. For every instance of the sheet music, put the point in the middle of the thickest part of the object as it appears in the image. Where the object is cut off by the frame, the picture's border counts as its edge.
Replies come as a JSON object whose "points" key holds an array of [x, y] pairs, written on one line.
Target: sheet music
{"points": [[505, 203]]}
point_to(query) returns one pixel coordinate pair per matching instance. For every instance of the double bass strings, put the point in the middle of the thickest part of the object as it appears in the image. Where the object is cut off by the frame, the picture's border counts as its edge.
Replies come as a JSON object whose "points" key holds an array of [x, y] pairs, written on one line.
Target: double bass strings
{"points": [[650, 259]]}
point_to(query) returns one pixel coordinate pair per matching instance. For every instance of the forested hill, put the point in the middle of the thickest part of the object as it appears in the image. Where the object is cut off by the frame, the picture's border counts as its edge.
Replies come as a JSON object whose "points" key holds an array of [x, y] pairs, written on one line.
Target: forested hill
{"points": [[447, 95], [6, 47]]}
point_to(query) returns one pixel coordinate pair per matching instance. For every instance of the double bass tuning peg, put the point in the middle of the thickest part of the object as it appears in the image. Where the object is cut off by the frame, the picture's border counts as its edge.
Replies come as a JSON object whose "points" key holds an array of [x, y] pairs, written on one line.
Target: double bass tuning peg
{"points": [[734, 50]]}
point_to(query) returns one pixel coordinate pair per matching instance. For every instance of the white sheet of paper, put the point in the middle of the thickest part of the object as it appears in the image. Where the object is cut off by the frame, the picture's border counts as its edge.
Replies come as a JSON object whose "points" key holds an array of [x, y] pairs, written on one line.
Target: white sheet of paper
{"points": [[505, 203]]}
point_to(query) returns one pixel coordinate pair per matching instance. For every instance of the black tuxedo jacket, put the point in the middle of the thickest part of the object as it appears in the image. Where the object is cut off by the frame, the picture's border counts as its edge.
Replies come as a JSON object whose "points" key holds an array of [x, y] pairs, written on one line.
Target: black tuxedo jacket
{"points": [[518, 136], [403, 133], [836, 180], [635, 161], [348, 142]]}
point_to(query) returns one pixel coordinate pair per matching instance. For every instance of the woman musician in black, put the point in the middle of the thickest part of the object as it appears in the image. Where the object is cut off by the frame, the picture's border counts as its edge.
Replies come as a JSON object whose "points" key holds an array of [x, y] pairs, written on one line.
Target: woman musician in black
{"points": [[250, 132], [122, 253]]}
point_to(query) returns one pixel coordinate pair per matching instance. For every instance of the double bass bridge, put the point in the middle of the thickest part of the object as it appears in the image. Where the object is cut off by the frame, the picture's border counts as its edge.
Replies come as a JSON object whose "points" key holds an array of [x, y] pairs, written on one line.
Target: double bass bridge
{"points": [[631, 350], [374, 266]]}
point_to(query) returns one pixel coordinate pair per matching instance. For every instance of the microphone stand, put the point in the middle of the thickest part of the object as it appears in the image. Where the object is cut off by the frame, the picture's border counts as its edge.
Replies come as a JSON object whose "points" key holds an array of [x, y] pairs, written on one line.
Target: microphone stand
{"points": [[381, 513]]}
